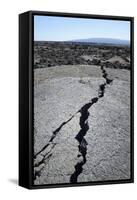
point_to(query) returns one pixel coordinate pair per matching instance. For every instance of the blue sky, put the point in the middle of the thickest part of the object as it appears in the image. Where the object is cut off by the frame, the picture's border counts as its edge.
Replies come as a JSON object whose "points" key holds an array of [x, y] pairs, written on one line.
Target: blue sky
{"points": [[50, 28]]}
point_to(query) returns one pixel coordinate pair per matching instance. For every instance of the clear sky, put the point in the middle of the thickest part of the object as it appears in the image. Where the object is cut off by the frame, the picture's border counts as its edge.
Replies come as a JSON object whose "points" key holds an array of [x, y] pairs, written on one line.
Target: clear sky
{"points": [[50, 28]]}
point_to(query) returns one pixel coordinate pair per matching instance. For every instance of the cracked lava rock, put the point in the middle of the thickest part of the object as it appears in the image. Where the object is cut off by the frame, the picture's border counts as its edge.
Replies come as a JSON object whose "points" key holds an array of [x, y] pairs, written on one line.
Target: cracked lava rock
{"points": [[81, 124]]}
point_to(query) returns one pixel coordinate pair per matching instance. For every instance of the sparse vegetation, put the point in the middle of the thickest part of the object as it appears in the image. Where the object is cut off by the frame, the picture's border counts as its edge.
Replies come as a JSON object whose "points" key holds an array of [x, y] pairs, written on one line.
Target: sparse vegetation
{"points": [[48, 54]]}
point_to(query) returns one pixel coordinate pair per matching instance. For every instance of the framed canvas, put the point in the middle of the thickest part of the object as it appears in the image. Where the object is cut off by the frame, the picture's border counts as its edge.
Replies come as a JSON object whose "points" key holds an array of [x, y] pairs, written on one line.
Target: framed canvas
{"points": [[76, 112]]}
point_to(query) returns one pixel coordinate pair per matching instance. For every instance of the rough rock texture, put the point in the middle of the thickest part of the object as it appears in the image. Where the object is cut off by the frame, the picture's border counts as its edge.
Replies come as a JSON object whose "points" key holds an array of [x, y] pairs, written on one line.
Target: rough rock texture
{"points": [[81, 124], [48, 54]]}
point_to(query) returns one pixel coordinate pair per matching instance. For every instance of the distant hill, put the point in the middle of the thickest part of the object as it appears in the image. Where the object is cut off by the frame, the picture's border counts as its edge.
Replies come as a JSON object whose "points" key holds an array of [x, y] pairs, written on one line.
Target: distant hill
{"points": [[103, 41]]}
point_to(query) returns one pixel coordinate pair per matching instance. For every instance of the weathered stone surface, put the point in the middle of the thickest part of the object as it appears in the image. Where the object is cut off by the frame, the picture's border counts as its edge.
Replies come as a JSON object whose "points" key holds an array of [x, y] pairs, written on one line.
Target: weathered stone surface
{"points": [[82, 124]]}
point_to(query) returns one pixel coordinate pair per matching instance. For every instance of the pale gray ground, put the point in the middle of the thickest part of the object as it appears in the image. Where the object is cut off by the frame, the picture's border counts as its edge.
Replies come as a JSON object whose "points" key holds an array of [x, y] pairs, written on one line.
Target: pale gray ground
{"points": [[59, 92]]}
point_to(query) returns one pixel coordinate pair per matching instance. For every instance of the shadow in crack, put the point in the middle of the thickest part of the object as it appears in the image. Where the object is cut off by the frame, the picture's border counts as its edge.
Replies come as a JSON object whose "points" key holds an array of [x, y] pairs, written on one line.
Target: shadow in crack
{"points": [[83, 122]]}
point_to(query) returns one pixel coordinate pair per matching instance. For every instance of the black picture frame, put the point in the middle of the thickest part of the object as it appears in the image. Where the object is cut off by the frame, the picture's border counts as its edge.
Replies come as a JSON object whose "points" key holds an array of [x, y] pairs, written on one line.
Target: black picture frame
{"points": [[26, 101]]}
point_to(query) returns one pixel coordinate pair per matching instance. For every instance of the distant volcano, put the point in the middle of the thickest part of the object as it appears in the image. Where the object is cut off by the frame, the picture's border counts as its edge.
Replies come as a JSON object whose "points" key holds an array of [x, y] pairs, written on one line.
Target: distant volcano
{"points": [[103, 41]]}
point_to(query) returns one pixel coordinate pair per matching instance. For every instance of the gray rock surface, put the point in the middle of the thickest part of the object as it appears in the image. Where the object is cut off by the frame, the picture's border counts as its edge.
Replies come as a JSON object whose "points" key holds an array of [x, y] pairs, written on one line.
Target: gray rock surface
{"points": [[81, 124]]}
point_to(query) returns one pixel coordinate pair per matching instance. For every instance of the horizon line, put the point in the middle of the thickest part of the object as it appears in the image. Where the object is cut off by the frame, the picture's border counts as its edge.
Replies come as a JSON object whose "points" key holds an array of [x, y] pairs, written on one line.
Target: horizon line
{"points": [[71, 40]]}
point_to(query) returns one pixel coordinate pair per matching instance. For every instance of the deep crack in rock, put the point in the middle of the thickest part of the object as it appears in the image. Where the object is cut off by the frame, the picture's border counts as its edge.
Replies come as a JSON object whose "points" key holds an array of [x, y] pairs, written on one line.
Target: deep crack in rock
{"points": [[85, 127], [80, 138], [83, 122]]}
